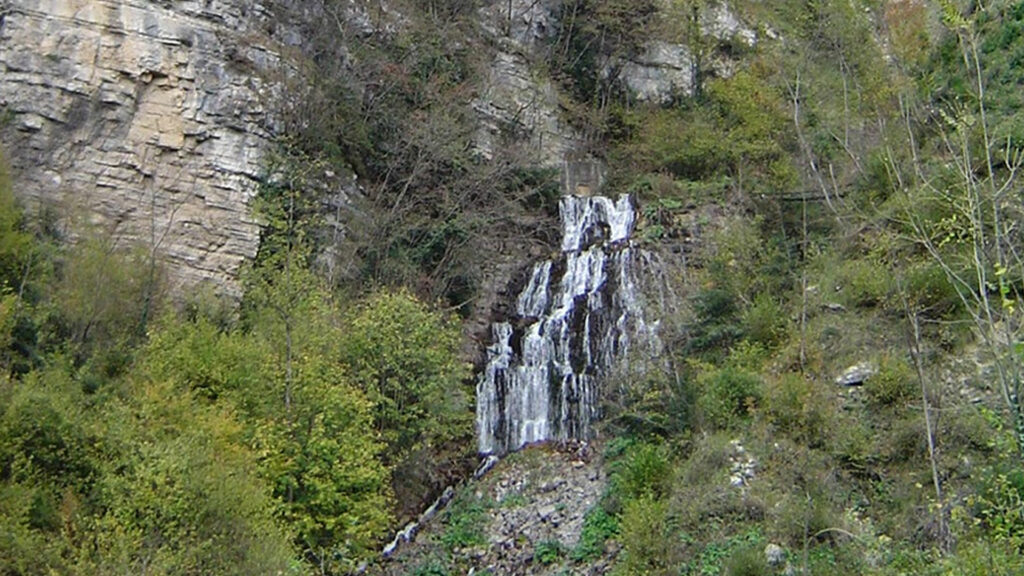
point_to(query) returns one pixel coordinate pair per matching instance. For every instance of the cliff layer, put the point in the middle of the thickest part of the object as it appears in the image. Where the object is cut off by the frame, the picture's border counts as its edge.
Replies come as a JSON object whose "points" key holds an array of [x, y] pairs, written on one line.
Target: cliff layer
{"points": [[149, 120]]}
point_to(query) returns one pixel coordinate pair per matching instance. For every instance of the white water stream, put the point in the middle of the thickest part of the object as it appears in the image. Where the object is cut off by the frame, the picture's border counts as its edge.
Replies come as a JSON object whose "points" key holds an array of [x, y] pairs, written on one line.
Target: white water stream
{"points": [[574, 321]]}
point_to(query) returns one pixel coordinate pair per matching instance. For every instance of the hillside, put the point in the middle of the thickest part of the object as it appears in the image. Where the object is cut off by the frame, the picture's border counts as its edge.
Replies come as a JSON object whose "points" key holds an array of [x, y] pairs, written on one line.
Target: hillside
{"points": [[730, 287]]}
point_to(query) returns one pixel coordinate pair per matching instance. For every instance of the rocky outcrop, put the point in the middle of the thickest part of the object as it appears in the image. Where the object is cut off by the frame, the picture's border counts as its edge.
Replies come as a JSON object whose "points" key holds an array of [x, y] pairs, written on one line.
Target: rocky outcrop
{"points": [[666, 70], [516, 103], [149, 118]]}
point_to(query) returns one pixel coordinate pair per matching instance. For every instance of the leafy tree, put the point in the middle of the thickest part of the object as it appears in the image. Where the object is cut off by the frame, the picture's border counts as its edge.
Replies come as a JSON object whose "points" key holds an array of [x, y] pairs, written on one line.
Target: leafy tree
{"points": [[185, 494], [99, 304], [324, 468], [406, 359], [17, 256], [15, 243], [961, 207]]}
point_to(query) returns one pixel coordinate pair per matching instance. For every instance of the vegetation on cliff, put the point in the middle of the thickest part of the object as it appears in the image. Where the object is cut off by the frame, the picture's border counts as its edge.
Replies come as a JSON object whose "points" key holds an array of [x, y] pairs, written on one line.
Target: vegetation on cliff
{"points": [[852, 184]]}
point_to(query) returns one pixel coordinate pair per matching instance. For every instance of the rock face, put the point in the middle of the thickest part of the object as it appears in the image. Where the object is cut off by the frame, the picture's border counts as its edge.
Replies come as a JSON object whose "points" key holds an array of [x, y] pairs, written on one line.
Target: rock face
{"points": [[666, 70], [516, 102], [149, 118], [515, 105]]}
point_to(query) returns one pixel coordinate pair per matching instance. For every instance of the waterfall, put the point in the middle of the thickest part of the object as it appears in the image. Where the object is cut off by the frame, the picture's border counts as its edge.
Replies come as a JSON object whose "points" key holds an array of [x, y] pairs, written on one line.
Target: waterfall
{"points": [[573, 322]]}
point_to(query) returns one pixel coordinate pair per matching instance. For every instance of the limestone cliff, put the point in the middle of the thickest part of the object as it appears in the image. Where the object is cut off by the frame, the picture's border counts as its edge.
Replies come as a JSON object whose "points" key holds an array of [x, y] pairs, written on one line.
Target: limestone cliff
{"points": [[148, 117]]}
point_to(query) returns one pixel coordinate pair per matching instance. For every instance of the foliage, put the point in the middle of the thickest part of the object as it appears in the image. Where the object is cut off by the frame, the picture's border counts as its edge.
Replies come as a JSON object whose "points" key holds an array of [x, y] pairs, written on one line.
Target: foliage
{"points": [[646, 540], [150, 476], [405, 358], [308, 423], [894, 384], [548, 552], [216, 518], [644, 470], [727, 396], [730, 554], [747, 561], [464, 522], [799, 407], [598, 527], [431, 196], [15, 243], [764, 321], [998, 506], [594, 37]]}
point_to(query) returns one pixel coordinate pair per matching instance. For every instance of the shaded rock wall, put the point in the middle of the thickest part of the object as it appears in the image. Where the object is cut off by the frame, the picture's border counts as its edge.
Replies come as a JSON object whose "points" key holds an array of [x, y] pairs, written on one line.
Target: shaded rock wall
{"points": [[148, 118]]}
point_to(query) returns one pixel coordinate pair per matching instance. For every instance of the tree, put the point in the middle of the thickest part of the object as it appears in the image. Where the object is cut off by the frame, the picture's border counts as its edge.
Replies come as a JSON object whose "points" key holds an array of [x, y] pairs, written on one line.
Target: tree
{"points": [[17, 255], [964, 212], [405, 357], [185, 493], [15, 243], [323, 466]]}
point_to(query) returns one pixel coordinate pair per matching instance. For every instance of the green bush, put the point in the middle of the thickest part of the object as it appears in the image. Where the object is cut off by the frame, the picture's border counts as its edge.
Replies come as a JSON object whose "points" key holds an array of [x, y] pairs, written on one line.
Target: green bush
{"points": [[929, 288], [747, 561], [800, 408], [984, 558], [862, 283], [464, 523], [720, 555], [644, 471], [727, 396], [999, 505], [598, 527], [404, 355], [547, 552], [893, 385], [646, 539], [718, 325], [765, 321], [798, 519]]}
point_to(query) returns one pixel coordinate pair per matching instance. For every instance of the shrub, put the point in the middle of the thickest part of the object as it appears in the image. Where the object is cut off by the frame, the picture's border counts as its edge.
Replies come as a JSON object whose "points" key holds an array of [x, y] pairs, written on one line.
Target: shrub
{"points": [[863, 283], [646, 541], [764, 321], [717, 323], [644, 471], [799, 518], [998, 506], [598, 527], [726, 554], [547, 552], [929, 288], [906, 441], [894, 383], [405, 356], [799, 408], [727, 396], [465, 522], [746, 561]]}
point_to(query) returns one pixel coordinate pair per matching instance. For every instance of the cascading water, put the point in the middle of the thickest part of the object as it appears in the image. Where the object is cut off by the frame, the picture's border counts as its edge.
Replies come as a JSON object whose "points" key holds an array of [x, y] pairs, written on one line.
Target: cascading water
{"points": [[574, 321]]}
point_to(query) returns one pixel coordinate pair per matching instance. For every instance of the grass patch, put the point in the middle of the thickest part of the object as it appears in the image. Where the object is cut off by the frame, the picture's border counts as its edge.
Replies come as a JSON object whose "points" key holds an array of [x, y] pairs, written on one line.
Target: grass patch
{"points": [[465, 522], [598, 527]]}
